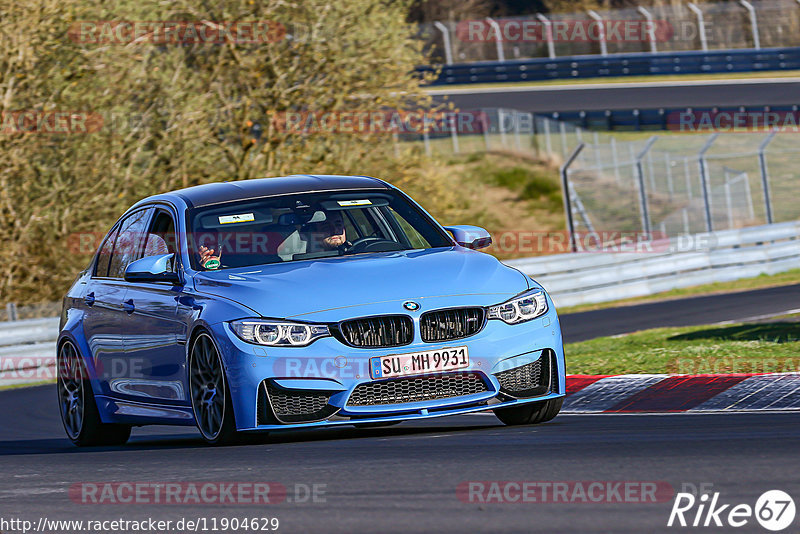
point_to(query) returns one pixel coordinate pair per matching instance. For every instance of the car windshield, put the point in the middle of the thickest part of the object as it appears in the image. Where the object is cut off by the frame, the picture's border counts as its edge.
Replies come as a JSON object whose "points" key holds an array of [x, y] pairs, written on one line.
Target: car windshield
{"points": [[307, 226]]}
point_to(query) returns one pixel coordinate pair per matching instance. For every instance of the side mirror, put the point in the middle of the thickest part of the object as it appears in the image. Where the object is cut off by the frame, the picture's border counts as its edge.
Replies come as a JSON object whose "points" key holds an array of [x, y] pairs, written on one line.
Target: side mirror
{"points": [[152, 269], [473, 237]]}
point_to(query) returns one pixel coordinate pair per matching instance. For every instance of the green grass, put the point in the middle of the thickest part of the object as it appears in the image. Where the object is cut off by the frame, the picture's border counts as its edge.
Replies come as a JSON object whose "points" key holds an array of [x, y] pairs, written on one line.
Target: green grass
{"points": [[528, 185], [631, 79], [741, 348], [758, 282]]}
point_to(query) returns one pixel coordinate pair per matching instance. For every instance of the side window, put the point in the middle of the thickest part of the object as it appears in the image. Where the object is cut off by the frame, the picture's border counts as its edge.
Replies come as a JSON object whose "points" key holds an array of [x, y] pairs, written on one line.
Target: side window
{"points": [[161, 238], [104, 256], [128, 244], [415, 239], [363, 224]]}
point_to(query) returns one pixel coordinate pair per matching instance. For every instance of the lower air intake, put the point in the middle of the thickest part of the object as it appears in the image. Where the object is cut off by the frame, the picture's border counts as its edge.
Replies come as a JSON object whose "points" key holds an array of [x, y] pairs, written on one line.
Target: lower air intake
{"points": [[529, 380], [292, 406], [417, 389]]}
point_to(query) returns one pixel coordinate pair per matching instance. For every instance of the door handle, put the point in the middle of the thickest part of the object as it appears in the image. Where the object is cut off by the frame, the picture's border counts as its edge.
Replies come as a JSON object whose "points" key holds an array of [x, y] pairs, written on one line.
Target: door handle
{"points": [[89, 299], [128, 306]]}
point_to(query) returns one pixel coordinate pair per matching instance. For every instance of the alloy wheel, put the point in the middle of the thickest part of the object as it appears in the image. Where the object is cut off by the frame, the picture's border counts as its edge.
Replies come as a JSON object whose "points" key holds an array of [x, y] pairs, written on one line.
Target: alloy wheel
{"points": [[207, 382], [71, 392]]}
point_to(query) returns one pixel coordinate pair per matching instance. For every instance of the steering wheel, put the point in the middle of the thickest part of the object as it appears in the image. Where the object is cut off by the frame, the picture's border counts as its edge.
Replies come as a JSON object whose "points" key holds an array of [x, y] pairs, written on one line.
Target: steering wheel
{"points": [[365, 244]]}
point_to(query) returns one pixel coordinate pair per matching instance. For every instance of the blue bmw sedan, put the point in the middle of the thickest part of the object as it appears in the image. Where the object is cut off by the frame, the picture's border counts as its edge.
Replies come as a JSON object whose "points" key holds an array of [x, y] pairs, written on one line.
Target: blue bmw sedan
{"points": [[299, 302]]}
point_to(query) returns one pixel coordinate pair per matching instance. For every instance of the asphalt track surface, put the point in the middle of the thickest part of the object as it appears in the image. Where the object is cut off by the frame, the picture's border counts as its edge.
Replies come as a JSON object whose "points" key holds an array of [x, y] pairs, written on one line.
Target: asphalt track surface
{"points": [[644, 95], [740, 306], [404, 478]]}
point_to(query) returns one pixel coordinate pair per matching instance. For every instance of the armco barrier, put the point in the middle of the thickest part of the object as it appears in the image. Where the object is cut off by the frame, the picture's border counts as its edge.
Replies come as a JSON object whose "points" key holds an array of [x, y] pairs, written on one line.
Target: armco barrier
{"points": [[29, 346], [27, 350], [591, 277], [638, 64], [652, 119]]}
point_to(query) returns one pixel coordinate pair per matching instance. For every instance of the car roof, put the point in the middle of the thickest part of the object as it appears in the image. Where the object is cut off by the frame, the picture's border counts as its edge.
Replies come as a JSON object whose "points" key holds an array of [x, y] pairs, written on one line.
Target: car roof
{"points": [[217, 192]]}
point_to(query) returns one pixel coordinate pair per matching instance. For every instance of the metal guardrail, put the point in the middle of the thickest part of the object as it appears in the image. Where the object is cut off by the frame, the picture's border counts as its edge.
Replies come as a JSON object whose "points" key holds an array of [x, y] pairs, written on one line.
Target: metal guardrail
{"points": [[637, 119], [635, 64], [586, 278], [28, 350]]}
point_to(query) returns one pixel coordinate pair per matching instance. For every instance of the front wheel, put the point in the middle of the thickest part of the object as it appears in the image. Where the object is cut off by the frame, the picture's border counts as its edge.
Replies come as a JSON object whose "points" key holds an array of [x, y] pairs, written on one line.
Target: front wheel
{"points": [[530, 414], [77, 405], [211, 398]]}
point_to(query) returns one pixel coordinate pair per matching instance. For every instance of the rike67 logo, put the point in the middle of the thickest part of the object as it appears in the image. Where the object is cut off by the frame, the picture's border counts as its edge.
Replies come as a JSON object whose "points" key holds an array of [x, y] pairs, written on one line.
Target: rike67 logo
{"points": [[774, 510]]}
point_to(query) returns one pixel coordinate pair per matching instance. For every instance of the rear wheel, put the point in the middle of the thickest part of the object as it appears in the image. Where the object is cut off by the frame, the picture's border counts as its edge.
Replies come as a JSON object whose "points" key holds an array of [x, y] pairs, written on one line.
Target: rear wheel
{"points": [[211, 399], [530, 414], [77, 405]]}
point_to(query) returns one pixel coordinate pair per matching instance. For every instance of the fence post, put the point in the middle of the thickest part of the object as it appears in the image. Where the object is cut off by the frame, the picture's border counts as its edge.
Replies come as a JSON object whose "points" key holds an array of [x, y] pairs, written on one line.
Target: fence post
{"points": [[762, 161], [501, 115], [615, 159], [562, 126], [750, 210], [548, 143], [701, 157], [501, 56], [596, 142], [670, 184], [548, 33], [517, 142], [448, 49], [11, 311], [565, 191], [601, 33], [687, 173], [651, 35], [454, 132], [686, 222], [485, 126], [728, 199], [701, 26], [426, 141], [753, 23], [645, 212]]}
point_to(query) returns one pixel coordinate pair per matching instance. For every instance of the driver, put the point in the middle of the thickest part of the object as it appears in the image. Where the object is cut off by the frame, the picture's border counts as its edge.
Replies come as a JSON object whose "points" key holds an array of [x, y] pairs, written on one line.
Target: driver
{"points": [[328, 234]]}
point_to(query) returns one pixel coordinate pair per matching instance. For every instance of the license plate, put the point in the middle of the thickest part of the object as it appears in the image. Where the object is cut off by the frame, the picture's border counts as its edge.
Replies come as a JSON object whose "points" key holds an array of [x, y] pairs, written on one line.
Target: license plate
{"points": [[414, 363]]}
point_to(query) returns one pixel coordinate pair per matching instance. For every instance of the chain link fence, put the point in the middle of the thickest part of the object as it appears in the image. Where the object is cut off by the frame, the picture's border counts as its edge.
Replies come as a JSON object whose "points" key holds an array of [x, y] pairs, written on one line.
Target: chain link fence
{"points": [[673, 184], [677, 28]]}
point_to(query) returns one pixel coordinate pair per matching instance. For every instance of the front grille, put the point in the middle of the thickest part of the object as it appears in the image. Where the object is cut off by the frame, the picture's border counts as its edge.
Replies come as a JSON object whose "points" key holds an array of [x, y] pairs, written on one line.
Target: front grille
{"points": [[445, 325], [384, 331], [529, 380], [292, 406], [417, 389]]}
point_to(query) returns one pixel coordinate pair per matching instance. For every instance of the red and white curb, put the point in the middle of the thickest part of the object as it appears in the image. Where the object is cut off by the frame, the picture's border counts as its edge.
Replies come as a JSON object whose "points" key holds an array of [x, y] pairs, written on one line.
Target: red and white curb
{"points": [[682, 393]]}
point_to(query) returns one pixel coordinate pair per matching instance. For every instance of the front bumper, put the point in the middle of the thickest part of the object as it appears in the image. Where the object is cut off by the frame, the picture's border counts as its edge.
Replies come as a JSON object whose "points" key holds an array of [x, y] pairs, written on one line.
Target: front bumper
{"points": [[329, 366]]}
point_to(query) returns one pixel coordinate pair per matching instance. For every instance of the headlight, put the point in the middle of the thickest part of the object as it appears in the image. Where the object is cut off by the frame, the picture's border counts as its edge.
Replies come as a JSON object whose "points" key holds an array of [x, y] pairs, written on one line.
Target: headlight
{"points": [[525, 307], [278, 333]]}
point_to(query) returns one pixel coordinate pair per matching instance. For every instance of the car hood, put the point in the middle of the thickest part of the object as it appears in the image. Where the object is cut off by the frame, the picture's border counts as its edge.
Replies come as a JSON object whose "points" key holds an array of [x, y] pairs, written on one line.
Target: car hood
{"points": [[332, 289]]}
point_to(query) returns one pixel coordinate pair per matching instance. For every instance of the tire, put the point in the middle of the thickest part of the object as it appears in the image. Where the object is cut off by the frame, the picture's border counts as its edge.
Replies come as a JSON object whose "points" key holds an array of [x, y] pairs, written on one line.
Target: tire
{"points": [[78, 407], [530, 414], [211, 397]]}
